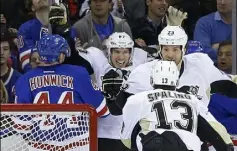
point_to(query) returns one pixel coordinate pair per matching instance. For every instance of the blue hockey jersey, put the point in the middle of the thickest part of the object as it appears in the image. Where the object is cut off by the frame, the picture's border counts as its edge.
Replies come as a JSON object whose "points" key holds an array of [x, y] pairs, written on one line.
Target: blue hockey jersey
{"points": [[60, 84], [224, 109], [28, 35], [9, 83]]}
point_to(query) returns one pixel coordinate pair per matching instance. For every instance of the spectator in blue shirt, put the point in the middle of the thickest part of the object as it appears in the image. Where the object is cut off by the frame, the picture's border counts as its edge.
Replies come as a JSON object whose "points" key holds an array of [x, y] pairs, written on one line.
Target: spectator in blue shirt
{"points": [[224, 57], [216, 27]]}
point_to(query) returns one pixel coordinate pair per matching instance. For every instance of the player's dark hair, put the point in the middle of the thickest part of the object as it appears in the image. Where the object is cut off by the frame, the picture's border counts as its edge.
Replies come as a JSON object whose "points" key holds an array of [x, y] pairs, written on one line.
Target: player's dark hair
{"points": [[224, 43], [6, 36], [164, 87]]}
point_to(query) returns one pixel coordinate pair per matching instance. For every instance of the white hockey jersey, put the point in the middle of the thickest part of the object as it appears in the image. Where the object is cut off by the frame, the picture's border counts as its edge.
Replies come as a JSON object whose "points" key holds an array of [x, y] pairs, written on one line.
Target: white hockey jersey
{"points": [[110, 126], [163, 110], [198, 73]]}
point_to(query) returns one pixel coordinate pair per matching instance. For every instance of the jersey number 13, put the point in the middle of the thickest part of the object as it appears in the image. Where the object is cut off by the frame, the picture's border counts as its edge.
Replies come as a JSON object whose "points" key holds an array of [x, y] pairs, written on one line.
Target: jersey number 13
{"points": [[159, 109]]}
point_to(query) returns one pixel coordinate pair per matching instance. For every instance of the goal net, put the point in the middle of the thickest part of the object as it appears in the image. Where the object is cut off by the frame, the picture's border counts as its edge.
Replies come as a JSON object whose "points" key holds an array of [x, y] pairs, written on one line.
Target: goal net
{"points": [[48, 128]]}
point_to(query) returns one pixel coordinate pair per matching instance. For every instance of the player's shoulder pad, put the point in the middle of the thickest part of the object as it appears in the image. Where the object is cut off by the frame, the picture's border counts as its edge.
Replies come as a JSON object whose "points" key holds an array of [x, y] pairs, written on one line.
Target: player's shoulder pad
{"points": [[135, 99], [143, 67], [74, 68], [198, 59]]}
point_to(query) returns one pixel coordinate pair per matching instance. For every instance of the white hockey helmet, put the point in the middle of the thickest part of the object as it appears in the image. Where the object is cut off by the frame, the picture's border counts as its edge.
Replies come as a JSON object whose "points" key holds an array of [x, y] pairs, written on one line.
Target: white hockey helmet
{"points": [[165, 73], [119, 40], [173, 35]]}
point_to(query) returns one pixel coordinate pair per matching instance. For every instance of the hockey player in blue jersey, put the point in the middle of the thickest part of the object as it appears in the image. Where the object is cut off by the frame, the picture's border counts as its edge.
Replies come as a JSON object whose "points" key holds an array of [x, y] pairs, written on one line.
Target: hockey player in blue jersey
{"points": [[55, 83], [8, 75]]}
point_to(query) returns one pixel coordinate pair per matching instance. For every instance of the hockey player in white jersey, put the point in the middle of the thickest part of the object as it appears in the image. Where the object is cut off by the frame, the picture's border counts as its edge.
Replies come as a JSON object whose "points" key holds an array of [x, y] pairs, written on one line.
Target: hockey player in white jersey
{"points": [[118, 58], [197, 71], [169, 119]]}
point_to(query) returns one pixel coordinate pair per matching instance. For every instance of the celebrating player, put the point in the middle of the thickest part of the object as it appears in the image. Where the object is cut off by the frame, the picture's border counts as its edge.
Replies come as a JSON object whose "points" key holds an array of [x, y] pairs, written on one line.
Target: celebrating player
{"points": [[197, 72], [55, 83], [117, 60], [170, 120]]}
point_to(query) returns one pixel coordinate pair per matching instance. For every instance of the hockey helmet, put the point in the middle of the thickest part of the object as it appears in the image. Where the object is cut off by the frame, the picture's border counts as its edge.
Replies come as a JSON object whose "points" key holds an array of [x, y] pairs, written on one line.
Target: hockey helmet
{"points": [[164, 73], [119, 40], [173, 35], [50, 47]]}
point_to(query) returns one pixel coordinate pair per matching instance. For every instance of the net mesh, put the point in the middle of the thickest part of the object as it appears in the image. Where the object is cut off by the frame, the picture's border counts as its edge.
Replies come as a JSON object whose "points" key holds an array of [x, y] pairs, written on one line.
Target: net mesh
{"points": [[45, 131]]}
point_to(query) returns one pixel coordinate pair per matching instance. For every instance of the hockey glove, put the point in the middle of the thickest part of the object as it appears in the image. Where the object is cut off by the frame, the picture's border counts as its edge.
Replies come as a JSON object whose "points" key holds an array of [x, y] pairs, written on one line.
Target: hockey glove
{"points": [[175, 17], [111, 83], [58, 14]]}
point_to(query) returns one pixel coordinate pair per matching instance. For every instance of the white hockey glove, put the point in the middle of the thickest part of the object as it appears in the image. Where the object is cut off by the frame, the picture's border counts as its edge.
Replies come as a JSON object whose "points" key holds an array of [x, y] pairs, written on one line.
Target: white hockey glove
{"points": [[175, 17]]}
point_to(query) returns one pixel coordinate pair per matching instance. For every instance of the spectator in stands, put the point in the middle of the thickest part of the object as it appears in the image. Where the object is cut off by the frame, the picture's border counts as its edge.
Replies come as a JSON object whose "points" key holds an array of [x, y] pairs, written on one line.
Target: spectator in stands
{"points": [[117, 8], [216, 27], [14, 11], [224, 57], [8, 75], [149, 27], [31, 31], [98, 24]]}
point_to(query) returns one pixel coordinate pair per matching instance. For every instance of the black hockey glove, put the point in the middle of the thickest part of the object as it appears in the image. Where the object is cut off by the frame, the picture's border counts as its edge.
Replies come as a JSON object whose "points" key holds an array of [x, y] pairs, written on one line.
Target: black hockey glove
{"points": [[57, 14], [111, 83]]}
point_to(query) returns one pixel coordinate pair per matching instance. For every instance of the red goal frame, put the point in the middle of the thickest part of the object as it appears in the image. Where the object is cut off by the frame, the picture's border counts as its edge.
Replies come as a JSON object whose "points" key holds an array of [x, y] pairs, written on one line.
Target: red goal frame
{"points": [[60, 108]]}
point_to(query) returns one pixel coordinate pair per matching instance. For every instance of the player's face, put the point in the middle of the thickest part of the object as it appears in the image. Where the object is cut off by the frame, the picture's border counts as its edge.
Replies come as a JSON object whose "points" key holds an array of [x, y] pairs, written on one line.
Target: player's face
{"points": [[120, 57], [100, 8], [224, 58], [172, 53], [157, 7], [224, 6], [39, 4], [5, 52]]}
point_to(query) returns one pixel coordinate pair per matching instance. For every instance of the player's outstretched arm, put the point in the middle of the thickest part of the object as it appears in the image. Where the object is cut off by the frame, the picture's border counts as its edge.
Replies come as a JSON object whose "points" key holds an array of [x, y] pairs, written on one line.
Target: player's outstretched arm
{"points": [[90, 93], [116, 106]]}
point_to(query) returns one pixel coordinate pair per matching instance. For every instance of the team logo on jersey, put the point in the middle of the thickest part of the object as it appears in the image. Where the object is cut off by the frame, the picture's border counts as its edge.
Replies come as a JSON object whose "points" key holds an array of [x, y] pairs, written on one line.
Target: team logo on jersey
{"points": [[191, 90], [20, 42]]}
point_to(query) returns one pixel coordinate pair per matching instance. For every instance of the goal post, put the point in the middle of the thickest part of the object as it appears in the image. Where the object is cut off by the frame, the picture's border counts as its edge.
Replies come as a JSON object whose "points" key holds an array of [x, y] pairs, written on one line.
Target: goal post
{"points": [[51, 127]]}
